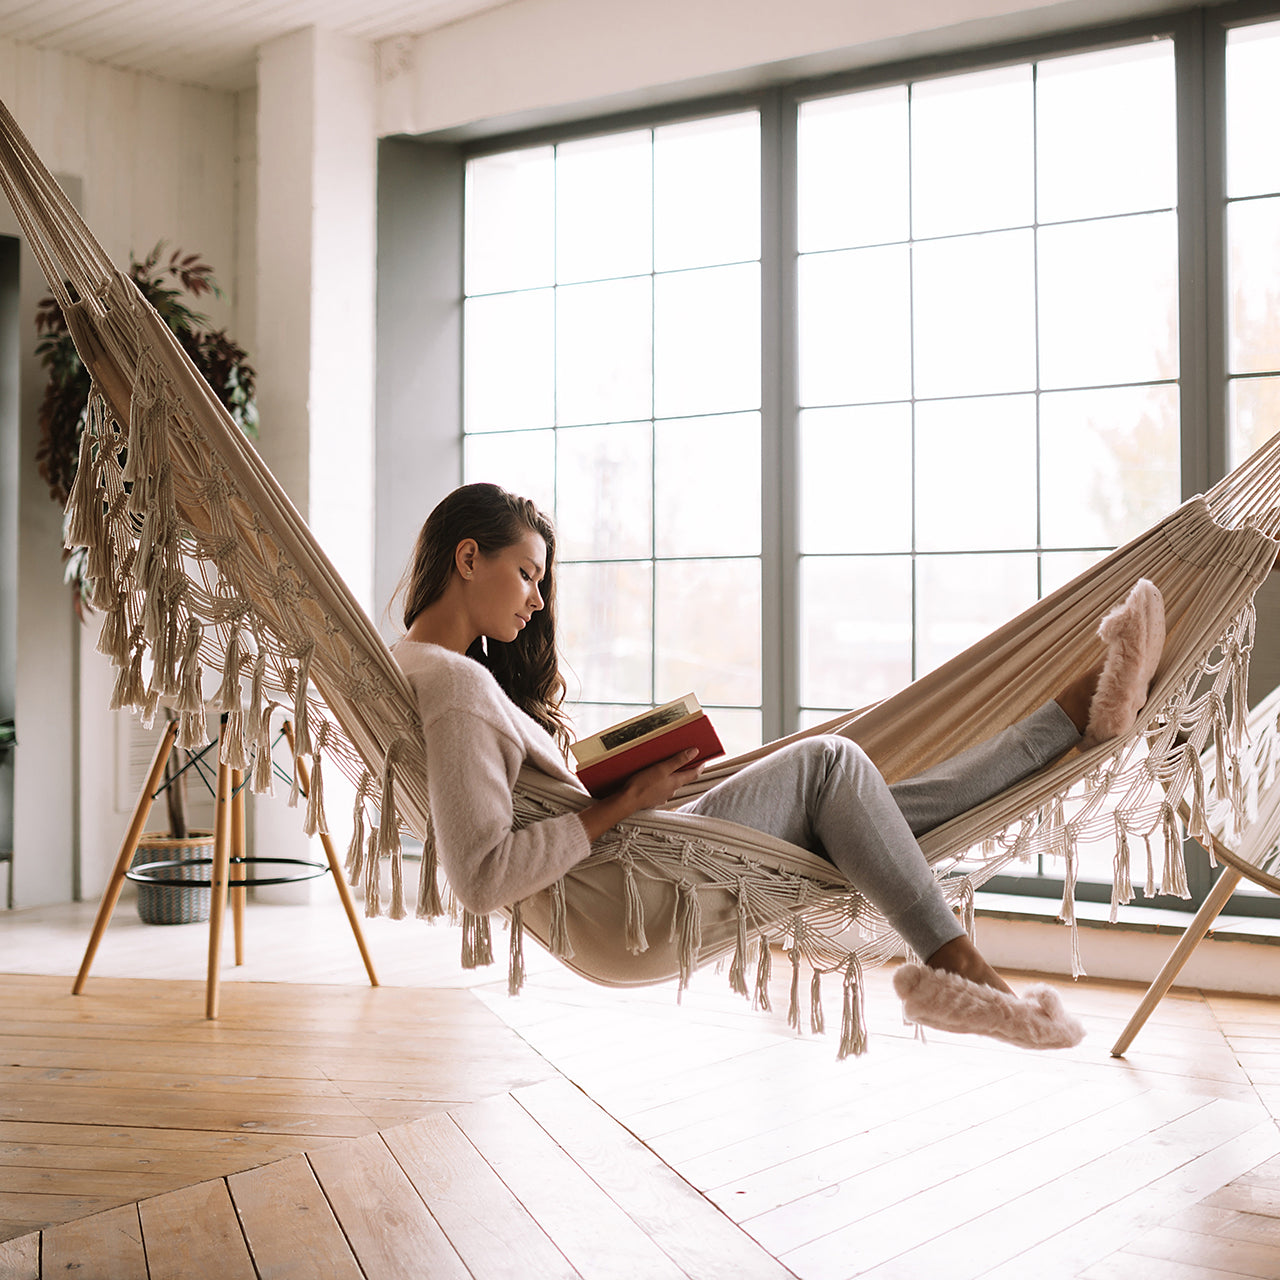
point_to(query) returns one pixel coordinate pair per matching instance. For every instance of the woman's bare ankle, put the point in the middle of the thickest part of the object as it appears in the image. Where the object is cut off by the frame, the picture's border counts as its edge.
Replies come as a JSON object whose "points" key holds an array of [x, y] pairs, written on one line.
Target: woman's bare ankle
{"points": [[961, 957], [1077, 698]]}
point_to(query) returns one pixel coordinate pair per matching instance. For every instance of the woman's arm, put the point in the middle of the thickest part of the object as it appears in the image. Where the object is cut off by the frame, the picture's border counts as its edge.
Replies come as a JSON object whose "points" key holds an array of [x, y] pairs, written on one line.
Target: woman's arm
{"points": [[471, 771]]}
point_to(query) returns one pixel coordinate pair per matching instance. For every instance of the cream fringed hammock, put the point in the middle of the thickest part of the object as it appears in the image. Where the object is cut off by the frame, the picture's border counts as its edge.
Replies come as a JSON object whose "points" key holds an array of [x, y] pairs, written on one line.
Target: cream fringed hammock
{"points": [[197, 558]]}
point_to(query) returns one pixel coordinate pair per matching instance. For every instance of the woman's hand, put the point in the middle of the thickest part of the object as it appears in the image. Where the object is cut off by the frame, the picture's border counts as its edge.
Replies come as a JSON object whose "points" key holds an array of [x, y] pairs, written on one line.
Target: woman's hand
{"points": [[648, 789]]}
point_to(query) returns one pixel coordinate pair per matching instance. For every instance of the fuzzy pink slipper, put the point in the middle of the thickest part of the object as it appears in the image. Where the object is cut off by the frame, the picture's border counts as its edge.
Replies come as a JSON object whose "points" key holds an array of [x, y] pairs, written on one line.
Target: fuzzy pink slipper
{"points": [[948, 1002], [1134, 636]]}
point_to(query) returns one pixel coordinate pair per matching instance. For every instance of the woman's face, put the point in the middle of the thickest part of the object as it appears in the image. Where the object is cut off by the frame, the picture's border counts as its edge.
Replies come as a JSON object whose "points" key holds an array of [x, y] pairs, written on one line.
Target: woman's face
{"points": [[502, 590]]}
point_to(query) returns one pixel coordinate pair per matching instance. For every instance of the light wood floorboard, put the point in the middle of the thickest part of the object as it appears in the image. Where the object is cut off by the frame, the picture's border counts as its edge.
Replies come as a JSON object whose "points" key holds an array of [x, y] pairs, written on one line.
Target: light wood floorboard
{"points": [[437, 1126]]}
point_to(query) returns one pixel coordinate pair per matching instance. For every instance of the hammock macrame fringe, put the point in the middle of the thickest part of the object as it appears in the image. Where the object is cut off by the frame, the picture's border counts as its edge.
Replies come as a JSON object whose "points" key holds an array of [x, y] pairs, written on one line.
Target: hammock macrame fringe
{"points": [[199, 562]]}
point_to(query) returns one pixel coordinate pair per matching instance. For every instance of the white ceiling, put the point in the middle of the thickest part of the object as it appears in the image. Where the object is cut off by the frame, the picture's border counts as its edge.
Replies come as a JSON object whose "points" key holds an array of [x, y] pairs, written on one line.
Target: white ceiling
{"points": [[210, 42]]}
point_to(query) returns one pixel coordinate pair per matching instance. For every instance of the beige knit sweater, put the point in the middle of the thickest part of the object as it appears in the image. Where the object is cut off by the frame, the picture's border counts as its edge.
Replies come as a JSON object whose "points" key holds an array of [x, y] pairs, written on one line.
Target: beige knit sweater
{"points": [[477, 740]]}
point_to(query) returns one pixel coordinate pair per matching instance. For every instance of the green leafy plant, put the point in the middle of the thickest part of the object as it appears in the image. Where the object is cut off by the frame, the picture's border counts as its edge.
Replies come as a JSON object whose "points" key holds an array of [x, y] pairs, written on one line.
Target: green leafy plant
{"points": [[166, 284]]}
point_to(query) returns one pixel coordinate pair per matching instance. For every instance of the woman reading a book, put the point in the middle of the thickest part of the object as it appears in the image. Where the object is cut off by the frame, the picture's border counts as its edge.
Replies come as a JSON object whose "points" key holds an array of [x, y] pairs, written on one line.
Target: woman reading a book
{"points": [[480, 653]]}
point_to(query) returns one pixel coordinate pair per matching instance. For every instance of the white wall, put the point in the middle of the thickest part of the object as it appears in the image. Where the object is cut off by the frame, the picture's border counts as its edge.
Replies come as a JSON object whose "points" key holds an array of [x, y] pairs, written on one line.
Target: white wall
{"points": [[152, 160], [531, 62]]}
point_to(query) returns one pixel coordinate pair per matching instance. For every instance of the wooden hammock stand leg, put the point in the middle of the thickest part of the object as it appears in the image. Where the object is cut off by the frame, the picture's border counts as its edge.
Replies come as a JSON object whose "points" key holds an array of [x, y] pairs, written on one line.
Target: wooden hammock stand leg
{"points": [[228, 848], [1200, 924]]}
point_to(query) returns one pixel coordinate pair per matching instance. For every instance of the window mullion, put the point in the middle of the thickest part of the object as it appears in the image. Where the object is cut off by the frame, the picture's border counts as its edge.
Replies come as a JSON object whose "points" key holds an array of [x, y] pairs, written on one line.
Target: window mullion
{"points": [[779, 468]]}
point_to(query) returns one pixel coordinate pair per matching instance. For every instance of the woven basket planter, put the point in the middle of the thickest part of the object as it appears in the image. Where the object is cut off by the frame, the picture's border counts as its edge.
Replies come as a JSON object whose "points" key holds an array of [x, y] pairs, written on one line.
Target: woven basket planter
{"points": [[169, 903]]}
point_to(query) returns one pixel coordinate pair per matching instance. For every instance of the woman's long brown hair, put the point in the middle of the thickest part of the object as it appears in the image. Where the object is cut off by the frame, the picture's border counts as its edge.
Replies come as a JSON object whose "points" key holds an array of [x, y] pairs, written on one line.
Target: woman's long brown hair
{"points": [[527, 668]]}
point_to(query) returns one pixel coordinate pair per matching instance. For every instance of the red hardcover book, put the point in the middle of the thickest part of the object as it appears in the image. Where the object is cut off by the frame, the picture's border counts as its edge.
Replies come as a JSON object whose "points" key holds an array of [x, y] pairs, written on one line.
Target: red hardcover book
{"points": [[608, 758]]}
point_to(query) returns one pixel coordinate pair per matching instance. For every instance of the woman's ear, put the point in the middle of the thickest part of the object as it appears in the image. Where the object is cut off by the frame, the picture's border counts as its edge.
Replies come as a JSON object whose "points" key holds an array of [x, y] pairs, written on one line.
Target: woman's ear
{"points": [[464, 557]]}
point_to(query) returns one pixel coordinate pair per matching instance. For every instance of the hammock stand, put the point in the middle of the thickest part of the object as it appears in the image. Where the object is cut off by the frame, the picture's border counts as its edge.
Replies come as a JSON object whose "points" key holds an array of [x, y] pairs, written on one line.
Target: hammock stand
{"points": [[1252, 853], [198, 558]]}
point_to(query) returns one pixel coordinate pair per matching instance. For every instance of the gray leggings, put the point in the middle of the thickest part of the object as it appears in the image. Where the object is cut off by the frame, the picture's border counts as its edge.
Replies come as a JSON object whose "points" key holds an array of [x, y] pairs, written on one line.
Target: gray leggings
{"points": [[825, 795]]}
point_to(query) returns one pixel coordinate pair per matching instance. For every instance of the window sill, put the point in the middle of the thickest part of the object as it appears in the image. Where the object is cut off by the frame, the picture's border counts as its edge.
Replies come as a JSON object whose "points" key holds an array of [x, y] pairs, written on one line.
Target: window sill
{"points": [[1024, 935], [1130, 919]]}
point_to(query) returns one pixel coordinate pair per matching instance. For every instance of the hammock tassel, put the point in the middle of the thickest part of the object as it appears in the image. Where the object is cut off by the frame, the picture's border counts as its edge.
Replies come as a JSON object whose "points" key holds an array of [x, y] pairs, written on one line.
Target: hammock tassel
{"points": [[1068, 913], [314, 822], [1198, 826], [128, 690], [686, 931], [1121, 878], [301, 725], [816, 1019], [477, 944], [150, 704], [429, 905], [793, 1009], [193, 731], [84, 503], [1221, 767], [515, 966], [113, 640], [101, 571], [372, 877], [397, 910], [388, 821], [260, 729], [764, 973], [264, 771], [853, 1022], [1174, 877], [228, 698], [190, 697], [354, 865], [738, 969], [633, 929], [231, 748], [558, 930]]}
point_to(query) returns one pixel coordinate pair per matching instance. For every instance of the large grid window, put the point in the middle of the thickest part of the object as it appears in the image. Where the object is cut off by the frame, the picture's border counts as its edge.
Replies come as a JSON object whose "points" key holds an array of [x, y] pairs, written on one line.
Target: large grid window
{"points": [[823, 390], [1253, 236], [988, 352], [612, 373]]}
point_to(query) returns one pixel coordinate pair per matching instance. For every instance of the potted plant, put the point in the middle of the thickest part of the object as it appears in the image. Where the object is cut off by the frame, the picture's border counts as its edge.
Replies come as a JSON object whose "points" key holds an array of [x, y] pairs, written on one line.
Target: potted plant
{"points": [[170, 285]]}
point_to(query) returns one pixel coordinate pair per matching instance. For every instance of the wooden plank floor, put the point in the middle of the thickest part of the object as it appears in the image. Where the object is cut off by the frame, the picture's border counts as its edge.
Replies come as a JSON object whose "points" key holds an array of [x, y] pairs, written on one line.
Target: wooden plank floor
{"points": [[436, 1126]]}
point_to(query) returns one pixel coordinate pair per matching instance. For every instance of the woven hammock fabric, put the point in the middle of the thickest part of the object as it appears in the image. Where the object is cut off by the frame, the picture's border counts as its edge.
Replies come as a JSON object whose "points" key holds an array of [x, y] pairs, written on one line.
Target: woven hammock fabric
{"points": [[198, 559]]}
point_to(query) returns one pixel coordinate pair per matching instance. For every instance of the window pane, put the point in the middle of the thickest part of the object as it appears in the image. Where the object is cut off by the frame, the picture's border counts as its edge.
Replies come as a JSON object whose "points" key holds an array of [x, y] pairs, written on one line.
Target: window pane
{"points": [[855, 326], [523, 462], [1109, 301], [961, 599], [603, 355], [1106, 133], [1110, 464], [707, 633], [740, 729], [855, 642], [972, 153], [707, 485], [604, 493], [1254, 406], [1253, 255], [510, 221], [1057, 568], [509, 362], [606, 613], [604, 207], [1253, 105], [975, 315], [853, 178], [855, 479], [706, 192], [976, 474], [707, 341]]}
